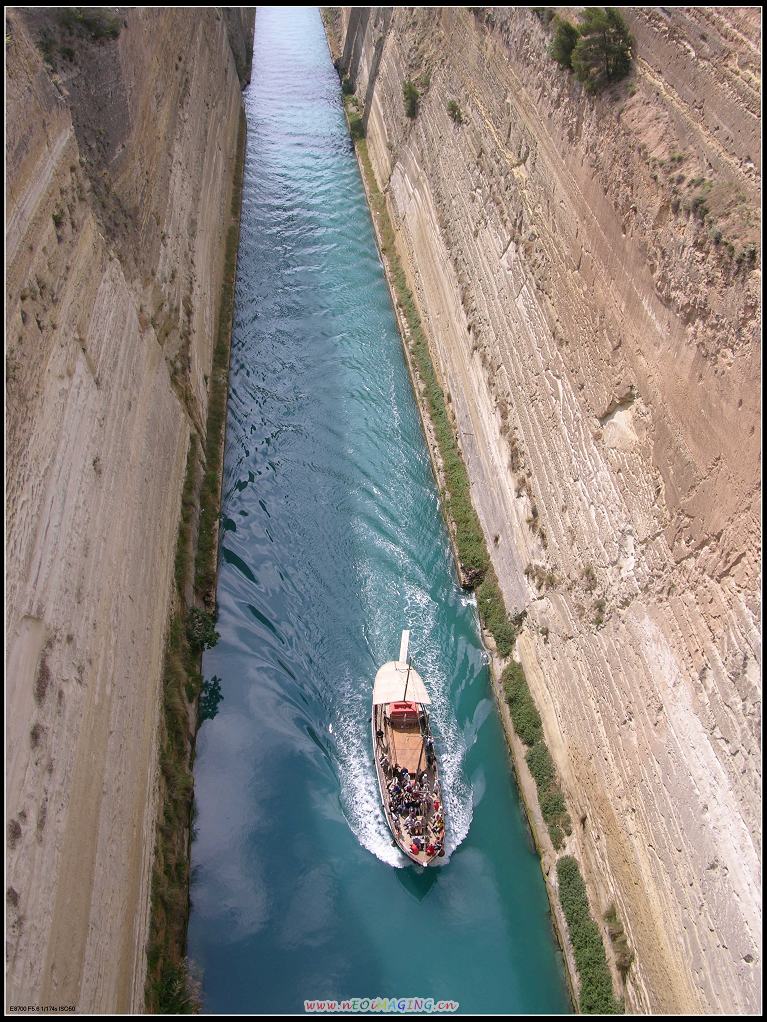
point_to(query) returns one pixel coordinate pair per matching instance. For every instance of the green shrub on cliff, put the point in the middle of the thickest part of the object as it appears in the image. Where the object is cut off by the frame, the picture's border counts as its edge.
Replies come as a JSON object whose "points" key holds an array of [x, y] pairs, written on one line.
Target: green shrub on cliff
{"points": [[410, 99], [541, 766], [544, 14], [550, 796], [200, 630], [98, 22], [599, 50], [562, 45], [492, 611], [603, 51], [176, 992], [455, 111], [356, 126], [596, 984], [524, 714]]}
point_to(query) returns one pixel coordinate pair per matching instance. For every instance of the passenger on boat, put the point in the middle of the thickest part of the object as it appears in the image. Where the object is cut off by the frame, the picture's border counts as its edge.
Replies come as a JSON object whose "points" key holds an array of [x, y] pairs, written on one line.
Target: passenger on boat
{"points": [[431, 849]]}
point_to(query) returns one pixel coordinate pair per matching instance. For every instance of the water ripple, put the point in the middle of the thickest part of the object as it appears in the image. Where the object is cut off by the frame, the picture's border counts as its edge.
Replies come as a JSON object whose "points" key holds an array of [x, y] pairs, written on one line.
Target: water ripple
{"points": [[332, 542]]}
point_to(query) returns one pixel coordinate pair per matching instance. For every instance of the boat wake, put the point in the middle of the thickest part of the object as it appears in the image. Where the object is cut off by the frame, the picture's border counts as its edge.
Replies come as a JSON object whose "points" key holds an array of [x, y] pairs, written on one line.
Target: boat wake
{"points": [[400, 553], [359, 795], [360, 799]]}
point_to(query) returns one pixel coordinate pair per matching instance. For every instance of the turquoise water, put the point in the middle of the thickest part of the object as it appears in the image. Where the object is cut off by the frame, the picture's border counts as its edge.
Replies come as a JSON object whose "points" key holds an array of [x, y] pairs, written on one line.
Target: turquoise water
{"points": [[332, 542]]}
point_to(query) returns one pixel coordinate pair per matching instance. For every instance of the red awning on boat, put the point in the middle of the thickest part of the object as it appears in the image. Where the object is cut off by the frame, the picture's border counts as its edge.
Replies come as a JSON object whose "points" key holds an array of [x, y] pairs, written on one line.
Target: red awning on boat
{"points": [[403, 712]]}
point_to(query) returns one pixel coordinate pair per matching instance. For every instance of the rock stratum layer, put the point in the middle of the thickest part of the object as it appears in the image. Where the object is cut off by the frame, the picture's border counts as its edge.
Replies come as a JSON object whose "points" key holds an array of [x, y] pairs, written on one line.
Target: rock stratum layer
{"points": [[121, 142], [586, 269]]}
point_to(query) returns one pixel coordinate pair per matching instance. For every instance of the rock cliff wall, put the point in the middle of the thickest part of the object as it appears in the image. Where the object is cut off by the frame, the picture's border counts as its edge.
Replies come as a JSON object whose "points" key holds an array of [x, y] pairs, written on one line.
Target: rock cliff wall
{"points": [[121, 140], [587, 270]]}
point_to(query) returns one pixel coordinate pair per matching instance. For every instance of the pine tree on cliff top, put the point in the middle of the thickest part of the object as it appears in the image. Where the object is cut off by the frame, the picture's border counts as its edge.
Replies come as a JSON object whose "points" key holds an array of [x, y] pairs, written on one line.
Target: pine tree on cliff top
{"points": [[566, 36], [603, 51]]}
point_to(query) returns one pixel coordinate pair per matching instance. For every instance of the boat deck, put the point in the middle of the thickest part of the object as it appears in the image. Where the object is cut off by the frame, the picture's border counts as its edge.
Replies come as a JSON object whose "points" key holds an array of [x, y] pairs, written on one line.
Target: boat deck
{"points": [[405, 747]]}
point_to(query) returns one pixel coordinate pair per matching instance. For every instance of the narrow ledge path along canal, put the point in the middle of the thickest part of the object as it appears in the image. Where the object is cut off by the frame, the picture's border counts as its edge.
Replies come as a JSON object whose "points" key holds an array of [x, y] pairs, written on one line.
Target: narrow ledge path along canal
{"points": [[332, 542]]}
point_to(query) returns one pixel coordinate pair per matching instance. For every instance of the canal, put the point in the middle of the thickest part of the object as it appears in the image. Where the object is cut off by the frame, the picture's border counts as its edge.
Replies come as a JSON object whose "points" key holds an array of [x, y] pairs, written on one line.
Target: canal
{"points": [[332, 542]]}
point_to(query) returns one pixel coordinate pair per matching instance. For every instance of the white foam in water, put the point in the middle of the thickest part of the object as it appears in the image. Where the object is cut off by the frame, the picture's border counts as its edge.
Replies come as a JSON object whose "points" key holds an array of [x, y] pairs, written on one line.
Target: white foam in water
{"points": [[451, 748], [360, 798]]}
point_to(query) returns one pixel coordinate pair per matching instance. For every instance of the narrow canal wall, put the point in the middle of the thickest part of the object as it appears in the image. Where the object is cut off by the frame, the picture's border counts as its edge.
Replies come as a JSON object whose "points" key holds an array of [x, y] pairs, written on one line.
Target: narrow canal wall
{"points": [[122, 148], [584, 271]]}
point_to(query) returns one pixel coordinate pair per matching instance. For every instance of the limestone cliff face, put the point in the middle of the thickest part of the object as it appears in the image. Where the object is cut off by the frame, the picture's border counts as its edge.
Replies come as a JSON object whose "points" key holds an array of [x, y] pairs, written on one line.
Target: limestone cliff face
{"points": [[120, 153], [586, 272]]}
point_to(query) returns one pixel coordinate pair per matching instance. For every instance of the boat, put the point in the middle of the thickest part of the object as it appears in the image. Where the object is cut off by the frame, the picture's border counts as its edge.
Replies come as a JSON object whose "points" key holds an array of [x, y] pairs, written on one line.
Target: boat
{"points": [[405, 760]]}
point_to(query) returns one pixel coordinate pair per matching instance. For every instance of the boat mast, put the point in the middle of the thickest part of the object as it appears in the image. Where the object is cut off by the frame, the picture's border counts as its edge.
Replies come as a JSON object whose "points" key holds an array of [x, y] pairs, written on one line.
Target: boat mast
{"points": [[407, 679]]}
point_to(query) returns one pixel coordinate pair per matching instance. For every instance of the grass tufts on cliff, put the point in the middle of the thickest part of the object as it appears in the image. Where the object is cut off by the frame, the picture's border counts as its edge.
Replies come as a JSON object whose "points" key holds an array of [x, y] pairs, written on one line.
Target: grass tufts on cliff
{"points": [[171, 988], [624, 956], [596, 996], [469, 538], [596, 986], [188, 504], [207, 542], [550, 796], [178, 992], [524, 713], [528, 726]]}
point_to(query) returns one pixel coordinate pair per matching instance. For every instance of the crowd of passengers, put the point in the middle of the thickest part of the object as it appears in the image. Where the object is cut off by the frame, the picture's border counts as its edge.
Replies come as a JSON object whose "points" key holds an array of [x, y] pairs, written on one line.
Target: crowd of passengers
{"points": [[415, 808]]}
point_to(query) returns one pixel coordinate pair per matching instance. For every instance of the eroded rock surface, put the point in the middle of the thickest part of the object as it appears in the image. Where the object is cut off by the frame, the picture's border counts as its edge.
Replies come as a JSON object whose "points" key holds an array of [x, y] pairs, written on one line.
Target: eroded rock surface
{"points": [[587, 272], [120, 155]]}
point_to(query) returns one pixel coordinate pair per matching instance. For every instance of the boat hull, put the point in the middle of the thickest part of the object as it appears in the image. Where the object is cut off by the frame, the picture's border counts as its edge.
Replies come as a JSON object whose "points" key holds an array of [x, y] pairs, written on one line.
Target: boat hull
{"points": [[409, 815]]}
